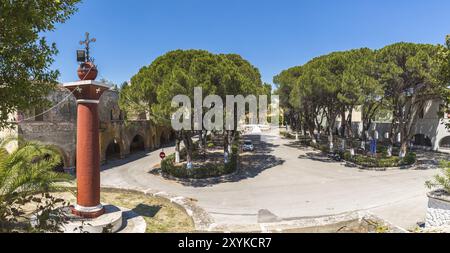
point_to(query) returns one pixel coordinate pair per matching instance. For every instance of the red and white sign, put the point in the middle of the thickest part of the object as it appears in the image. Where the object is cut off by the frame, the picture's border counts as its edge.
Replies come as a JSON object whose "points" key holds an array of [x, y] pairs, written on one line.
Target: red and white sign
{"points": [[162, 155]]}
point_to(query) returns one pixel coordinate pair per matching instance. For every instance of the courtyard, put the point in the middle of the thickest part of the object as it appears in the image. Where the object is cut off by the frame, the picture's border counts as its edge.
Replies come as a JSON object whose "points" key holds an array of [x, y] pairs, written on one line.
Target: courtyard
{"points": [[283, 181]]}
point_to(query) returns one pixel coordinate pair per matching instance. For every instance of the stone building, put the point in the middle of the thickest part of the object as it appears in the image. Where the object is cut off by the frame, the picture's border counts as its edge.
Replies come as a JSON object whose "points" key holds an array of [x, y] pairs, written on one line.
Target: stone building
{"points": [[430, 131], [118, 138]]}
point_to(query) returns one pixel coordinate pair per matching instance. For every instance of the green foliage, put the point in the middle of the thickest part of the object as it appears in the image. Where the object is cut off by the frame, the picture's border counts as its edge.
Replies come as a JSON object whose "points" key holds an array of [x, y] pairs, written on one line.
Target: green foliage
{"points": [[321, 147], [441, 180], [445, 71], [178, 72], [24, 173], [25, 56], [380, 162], [411, 76], [410, 158], [368, 161], [394, 82], [207, 170]]}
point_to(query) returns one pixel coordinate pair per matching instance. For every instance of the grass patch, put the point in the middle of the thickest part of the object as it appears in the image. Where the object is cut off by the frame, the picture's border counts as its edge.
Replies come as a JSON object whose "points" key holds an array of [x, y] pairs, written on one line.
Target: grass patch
{"points": [[160, 214]]}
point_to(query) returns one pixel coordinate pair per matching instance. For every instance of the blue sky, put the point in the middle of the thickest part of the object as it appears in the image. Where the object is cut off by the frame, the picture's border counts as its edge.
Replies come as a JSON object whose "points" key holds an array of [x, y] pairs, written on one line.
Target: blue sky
{"points": [[272, 34]]}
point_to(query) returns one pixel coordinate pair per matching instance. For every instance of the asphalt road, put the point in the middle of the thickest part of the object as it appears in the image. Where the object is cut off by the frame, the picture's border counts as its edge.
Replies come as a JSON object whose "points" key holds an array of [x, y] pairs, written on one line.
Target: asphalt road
{"points": [[288, 181]]}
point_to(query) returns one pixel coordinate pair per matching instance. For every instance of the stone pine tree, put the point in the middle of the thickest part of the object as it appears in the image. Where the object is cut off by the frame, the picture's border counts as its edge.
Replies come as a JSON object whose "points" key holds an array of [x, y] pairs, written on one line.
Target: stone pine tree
{"points": [[285, 82], [445, 71], [175, 73], [411, 76], [26, 56], [178, 73]]}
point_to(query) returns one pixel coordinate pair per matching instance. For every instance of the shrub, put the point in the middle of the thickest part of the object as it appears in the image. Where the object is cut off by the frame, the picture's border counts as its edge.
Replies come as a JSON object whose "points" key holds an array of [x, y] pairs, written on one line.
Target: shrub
{"points": [[287, 135], [384, 152], [410, 158], [321, 147], [442, 180], [346, 156], [24, 174], [169, 167], [372, 162]]}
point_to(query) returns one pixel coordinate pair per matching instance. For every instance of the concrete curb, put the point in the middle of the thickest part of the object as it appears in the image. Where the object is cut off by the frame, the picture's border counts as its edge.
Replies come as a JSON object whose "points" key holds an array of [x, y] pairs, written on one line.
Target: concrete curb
{"points": [[308, 224]]}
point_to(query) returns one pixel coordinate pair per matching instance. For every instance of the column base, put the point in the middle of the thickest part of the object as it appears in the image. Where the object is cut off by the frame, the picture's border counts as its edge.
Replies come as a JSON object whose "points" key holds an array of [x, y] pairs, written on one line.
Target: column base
{"points": [[88, 212]]}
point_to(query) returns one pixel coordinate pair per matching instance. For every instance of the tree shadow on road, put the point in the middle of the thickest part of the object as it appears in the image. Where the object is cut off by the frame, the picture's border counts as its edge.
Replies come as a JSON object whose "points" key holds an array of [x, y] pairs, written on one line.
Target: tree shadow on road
{"points": [[111, 164], [147, 210], [251, 165], [119, 162], [320, 157], [430, 160]]}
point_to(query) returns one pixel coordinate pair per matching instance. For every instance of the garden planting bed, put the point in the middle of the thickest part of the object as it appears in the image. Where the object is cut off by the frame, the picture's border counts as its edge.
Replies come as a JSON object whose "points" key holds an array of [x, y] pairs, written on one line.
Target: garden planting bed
{"points": [[362, 161], [207, 164]]}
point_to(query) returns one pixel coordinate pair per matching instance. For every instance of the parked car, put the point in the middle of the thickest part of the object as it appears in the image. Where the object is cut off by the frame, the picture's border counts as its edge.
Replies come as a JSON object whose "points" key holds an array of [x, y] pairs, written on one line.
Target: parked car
{"points": [[248, 145]]}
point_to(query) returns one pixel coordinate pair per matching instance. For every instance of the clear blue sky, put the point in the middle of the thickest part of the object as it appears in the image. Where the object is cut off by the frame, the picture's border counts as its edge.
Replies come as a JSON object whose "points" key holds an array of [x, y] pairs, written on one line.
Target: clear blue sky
{"points": [[272, 34]]}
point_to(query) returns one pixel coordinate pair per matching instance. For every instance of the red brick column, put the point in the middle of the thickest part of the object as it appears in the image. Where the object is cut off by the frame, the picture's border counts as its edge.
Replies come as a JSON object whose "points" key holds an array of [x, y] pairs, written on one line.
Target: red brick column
{"points": [[88, 93], [88, 160]]}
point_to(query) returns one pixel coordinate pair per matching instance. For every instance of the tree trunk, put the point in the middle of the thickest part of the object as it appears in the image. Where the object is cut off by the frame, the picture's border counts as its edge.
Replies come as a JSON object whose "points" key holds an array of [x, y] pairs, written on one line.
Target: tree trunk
{"points": [[187, 140], [177, 151], [313, 136], [403, 149], [225, 146], [330, 138]]}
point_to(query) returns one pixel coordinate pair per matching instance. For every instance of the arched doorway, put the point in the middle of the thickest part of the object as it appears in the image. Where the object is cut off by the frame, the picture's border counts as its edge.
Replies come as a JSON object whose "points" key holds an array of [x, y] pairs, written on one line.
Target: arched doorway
{"points": [[137, 144], [112, 151], [63, 158], [421, 140], [444, 143], [162, 140]]}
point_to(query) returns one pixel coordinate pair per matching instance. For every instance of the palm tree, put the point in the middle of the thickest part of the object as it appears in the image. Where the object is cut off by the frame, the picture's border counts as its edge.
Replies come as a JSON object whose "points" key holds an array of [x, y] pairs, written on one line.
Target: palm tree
{"points": [[25, 172]]}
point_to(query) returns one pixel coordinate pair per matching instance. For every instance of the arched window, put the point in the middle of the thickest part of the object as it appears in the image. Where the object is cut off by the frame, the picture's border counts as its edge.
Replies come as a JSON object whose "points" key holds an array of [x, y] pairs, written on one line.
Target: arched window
{"points": [[421, 140]]}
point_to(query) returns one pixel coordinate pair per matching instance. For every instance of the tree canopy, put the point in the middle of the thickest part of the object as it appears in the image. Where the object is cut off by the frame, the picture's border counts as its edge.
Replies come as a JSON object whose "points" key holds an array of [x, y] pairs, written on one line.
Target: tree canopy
{"points": [[25, 56], [399, 78], [178, 73]]}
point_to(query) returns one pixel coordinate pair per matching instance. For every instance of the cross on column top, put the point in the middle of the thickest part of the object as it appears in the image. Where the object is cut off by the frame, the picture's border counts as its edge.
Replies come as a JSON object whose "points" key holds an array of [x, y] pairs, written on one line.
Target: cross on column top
{"points": [[86, 42]]}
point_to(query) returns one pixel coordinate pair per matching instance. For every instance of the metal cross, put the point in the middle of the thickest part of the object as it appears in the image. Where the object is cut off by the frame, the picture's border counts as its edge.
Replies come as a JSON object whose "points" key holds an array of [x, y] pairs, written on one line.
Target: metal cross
{"points": [[86, 42]]}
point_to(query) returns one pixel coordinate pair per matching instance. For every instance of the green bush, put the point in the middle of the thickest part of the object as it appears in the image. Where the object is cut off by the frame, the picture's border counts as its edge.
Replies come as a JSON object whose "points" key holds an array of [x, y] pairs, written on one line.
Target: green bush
{"points": [[169, 167], [346, 156], [384, 152], [322, 147], [381, 162], [409, 159]]}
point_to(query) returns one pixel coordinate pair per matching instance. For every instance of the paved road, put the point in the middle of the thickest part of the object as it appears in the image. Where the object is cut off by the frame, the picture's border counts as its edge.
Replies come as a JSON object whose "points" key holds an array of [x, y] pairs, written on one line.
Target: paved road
{"points": [[290, 182]]}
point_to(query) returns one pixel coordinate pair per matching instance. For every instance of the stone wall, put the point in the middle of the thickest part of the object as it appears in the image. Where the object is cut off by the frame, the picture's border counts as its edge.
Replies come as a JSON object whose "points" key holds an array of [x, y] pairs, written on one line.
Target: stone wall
{"points": [[58, 127], [430, 125], [61, 135]]}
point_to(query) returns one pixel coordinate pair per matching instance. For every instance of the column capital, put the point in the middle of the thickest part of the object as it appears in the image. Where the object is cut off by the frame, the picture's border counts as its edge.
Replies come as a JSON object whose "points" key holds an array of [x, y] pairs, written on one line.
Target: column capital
{"points": [[87, 90]]}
